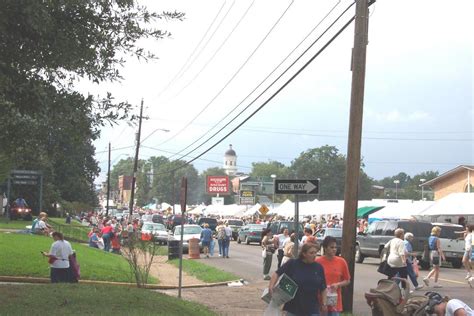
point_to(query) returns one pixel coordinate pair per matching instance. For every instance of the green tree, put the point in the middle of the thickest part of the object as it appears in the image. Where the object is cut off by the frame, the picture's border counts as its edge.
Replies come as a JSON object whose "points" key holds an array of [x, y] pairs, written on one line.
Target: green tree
{"points": [[266, 169], [45, 48]]}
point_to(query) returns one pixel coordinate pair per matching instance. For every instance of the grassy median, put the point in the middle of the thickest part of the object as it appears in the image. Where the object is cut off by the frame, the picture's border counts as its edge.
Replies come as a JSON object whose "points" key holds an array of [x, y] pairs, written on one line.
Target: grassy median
{"points": [[204, 272], [82, 299]]}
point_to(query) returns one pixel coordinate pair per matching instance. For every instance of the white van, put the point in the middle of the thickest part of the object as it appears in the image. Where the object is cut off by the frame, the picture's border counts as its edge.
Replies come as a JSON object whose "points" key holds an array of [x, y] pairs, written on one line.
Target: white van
{"points": [[451, 243]]}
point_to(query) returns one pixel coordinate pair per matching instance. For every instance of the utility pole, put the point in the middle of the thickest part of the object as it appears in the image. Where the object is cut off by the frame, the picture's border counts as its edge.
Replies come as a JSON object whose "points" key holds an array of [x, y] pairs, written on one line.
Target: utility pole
{"points": [[359, 53], [135, 163], [108, 185]]}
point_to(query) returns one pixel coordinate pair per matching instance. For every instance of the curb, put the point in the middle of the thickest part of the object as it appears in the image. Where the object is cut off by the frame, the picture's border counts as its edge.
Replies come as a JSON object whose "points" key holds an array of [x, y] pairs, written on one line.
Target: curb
{"points": [[19, 279]]}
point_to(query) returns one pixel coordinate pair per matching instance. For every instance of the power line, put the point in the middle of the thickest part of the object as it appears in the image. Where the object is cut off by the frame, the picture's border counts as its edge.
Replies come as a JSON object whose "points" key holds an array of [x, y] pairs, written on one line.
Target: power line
{"points": [[216, 51], [180, 73], [232, 78], [261, 82], [272, 96]]}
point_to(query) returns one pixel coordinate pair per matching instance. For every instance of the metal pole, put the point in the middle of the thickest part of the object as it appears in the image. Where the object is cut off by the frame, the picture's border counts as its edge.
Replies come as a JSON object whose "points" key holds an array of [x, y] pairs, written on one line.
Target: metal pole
{"points": [[135, 164], [297, 215], [354, 145], [7, 207], [108, 185], [41, 194]]}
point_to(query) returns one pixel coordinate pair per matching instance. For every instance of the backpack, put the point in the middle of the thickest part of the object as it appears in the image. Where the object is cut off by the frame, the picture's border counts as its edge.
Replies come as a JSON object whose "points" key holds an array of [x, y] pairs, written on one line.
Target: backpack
{"points": [[221, 234]]}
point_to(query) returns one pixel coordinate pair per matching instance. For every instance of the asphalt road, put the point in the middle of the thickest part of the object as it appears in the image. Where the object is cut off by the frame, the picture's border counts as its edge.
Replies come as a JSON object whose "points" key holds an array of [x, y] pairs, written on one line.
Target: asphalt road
{"points": [[246, 261]]}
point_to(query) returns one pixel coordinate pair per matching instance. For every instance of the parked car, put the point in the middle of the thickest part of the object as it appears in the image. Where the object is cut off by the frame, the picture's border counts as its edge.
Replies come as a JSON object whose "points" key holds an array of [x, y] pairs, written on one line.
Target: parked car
{"points": [[371, 244], [451, 243], [159, 232], [146, 218], [189, 231], [157, 218], [235, 225], [211, 221], [250, 233], [277, 226], [334, 232], [175, 220]]}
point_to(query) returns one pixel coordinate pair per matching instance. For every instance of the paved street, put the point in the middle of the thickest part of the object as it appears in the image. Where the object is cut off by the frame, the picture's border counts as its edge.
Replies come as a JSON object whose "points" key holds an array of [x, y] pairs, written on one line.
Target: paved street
{"points": [[246, 261]]}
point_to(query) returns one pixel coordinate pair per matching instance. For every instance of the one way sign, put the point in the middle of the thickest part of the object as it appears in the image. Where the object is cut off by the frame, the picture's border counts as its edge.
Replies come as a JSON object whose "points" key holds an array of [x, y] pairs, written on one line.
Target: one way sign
{"points": [[296, 186]]}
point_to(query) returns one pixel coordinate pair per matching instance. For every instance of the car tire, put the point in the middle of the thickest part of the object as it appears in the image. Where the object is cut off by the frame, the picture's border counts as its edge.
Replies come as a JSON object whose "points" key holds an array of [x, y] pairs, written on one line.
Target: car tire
{"points": [[359, 257], [238, 240], [456, 263], [247, 241]]}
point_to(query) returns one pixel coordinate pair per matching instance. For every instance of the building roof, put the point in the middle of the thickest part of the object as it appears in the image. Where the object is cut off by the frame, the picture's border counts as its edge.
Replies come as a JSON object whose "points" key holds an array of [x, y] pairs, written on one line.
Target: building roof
{"points": [[230, 151], [447, 174]]}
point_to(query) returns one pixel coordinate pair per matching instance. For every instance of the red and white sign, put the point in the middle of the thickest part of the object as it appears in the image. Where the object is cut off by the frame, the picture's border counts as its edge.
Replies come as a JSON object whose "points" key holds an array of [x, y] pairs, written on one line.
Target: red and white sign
{"points": [[217, 185]]}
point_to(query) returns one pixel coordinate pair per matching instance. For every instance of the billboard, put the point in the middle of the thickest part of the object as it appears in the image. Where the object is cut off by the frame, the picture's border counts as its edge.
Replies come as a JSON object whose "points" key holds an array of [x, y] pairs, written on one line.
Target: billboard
{"points": [[247, 197], [217, 185]]}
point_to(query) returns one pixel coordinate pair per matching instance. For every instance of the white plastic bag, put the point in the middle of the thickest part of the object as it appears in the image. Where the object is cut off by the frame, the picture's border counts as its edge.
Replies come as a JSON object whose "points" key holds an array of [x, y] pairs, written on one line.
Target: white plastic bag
{"points": [[272, 310], [264, 253]]}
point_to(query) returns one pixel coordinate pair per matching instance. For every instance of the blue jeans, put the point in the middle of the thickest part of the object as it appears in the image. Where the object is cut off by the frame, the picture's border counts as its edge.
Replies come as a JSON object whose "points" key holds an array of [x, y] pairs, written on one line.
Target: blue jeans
{"points": [[226, 244], [411, 273], [106, 238], [221, 246], [333, 313]]}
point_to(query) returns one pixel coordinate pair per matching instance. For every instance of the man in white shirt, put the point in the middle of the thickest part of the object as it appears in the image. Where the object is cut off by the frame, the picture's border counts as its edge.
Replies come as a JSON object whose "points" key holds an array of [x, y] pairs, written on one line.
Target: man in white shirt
{"points": [[453, 307], [281, 243], [228, 237]]}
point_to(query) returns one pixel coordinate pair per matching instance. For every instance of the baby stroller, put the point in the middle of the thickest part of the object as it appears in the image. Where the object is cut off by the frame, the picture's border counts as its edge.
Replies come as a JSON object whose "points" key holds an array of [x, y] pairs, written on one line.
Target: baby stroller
{"points": [[387, 299]]}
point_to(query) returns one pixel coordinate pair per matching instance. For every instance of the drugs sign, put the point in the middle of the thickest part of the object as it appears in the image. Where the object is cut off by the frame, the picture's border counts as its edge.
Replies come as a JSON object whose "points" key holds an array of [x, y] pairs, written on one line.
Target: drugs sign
{"points": [[217, 185]]}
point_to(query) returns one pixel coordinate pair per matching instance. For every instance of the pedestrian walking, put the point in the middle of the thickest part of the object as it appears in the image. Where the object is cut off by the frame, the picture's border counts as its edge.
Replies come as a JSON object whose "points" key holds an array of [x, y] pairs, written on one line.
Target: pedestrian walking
{"points": [[411, 260], [268, 249], [58, 259], [206, 236], [228, 237], [107, 232], [220, 237], [288, 248], [336, 273], [466, 259], [284, 235], [396, 258], [309, 276], [436, 255]]}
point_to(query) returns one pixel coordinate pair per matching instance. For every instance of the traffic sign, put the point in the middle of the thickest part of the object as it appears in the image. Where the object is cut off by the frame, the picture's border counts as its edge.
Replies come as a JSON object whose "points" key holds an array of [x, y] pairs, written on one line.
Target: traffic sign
{"points": [[296, 186], [263, 209]]}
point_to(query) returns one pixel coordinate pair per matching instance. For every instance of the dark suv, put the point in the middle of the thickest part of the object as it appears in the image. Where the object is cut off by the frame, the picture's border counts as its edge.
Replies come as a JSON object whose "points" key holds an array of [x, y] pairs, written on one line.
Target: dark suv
{"points": [[175, 220], [379, 233], [211, 221], [277, 226]]}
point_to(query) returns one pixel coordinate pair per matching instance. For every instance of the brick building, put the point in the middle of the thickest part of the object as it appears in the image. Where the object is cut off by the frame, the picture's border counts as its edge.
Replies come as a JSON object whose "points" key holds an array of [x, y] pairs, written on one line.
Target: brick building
{"points": [[456, 180]]}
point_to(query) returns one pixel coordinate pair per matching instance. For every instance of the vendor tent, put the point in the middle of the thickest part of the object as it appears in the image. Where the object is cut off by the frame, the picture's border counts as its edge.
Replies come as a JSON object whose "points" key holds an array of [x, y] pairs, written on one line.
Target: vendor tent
{"points": [[365, 211], [453, 204], [400, 210]]}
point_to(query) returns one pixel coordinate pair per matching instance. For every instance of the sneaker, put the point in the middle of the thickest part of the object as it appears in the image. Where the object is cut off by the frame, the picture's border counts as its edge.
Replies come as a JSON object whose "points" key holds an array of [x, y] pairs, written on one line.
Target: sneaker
{"points": [[426, 281], [220, 255], [437, 285], [468, 276], [471, 282], [266, 277], [419, 287], [411, 291]]}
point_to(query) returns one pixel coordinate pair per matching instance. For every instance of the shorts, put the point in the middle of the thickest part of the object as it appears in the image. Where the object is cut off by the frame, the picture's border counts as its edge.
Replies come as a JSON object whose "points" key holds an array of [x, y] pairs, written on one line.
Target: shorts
{"points": [[434, 256], [206, 243], [467, 254]]}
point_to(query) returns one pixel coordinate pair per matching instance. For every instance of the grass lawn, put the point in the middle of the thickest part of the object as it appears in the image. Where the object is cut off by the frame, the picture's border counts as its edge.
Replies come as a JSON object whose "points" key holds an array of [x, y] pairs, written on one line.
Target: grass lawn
{"points": [[16, 224], [20, 256], [204, 272], [82, 299]]}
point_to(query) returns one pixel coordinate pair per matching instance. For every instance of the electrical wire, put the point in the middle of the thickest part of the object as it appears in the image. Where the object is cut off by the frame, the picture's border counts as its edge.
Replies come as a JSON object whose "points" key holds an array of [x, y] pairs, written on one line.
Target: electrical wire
{"points": [[216, 51], [232, 78], [261, 82], [193, 52], [271, 97]]}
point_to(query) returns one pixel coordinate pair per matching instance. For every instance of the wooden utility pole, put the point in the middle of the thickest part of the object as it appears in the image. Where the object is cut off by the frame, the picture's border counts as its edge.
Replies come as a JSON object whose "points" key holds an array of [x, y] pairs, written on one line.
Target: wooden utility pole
{"points": [[354, 144], [135, 163], [108, 185]]}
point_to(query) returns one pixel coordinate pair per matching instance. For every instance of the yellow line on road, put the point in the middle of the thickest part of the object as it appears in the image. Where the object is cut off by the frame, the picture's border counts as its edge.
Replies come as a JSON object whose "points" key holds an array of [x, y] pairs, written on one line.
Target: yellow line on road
{"points": [[453, 281]]}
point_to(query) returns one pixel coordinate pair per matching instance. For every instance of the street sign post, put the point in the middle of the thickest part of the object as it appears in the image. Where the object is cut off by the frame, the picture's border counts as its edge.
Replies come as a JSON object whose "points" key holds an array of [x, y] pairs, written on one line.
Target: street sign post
{"points": [[247, 197], [296, 187], [182, 199]]}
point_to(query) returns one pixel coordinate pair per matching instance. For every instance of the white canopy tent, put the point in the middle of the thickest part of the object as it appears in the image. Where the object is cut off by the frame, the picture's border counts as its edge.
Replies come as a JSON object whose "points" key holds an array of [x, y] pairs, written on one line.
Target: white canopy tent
{"points": [[453, 204], [225, 210], [286, 209], [402, 210]]}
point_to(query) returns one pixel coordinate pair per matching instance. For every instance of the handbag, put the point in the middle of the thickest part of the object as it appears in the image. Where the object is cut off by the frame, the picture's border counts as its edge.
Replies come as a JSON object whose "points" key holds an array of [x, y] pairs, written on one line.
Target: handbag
{"points": [[384, 268], [264, 253]]}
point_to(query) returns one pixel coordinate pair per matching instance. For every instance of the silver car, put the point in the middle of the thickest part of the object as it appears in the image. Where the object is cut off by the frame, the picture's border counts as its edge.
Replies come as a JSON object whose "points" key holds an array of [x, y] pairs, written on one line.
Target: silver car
{"points": [[159, 232], [189, 231]]}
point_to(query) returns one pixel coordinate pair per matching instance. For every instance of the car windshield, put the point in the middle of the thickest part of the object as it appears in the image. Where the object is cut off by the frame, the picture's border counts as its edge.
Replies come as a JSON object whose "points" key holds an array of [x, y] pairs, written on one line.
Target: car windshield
{"points": [[188, 230], [449, 232], [235, 222], [154, 227]]}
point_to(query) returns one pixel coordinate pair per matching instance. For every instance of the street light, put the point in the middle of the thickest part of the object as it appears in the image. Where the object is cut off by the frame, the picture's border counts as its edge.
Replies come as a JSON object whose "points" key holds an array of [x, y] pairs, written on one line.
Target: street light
{"points": [[422, 180], [158, 129], [396, 188], [273, 176]]}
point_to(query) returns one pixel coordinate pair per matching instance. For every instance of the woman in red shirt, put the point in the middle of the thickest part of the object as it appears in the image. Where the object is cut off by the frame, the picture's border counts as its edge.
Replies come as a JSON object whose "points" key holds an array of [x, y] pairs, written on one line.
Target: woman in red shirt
{"points": [[107, 234], [336, 273]]}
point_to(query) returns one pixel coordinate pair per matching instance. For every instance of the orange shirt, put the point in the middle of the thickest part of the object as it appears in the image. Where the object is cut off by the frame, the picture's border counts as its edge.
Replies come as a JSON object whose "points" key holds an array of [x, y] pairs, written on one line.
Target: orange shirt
{"points": [[335, 271]]}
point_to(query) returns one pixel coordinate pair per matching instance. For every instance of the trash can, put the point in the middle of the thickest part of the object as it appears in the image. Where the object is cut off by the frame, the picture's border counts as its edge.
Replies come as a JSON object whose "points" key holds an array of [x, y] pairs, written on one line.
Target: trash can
{"points": [[173, 249], [194, 249]]}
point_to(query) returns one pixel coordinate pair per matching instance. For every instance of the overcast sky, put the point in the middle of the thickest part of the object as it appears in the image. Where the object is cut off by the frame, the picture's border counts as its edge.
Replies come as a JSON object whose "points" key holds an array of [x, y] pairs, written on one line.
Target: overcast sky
{"points": [[418, 111]]}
